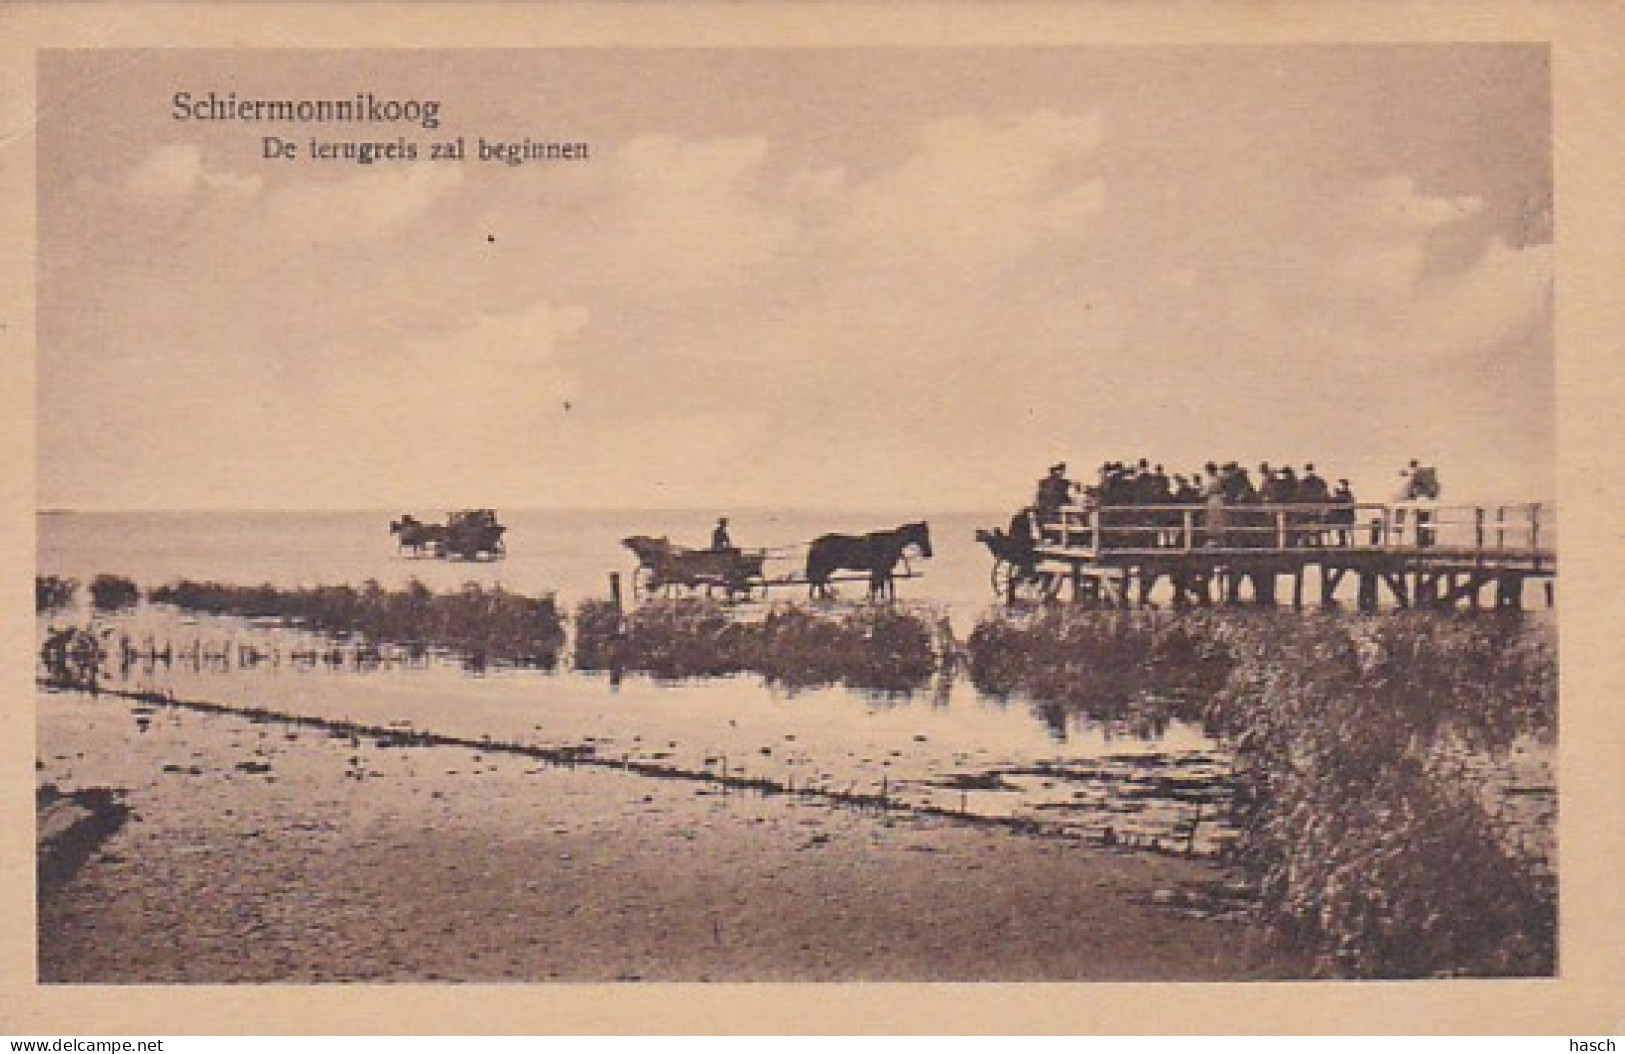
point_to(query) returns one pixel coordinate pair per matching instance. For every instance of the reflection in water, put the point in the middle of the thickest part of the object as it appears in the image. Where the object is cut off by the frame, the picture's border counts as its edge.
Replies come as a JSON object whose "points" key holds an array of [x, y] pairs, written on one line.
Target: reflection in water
{"points": [[949, 747]]}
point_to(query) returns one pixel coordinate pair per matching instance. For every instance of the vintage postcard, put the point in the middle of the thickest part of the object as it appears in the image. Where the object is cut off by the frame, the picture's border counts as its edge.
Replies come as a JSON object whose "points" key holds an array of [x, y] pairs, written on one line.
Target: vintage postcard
{"points": [[636, 501]]}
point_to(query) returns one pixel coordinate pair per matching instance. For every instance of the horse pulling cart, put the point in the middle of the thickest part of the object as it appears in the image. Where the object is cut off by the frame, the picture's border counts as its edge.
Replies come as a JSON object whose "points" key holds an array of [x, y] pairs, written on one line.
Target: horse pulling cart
{"points": [[739, 574]]}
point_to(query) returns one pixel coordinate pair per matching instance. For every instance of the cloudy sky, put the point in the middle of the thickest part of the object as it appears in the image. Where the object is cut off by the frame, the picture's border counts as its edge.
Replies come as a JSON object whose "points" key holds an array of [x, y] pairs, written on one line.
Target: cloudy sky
{"points": [[866, 277]]}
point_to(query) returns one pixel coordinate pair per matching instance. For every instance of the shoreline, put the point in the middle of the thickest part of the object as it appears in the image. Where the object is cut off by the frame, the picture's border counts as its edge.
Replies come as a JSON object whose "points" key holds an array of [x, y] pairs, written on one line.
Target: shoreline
{"points": [[270, 851]]}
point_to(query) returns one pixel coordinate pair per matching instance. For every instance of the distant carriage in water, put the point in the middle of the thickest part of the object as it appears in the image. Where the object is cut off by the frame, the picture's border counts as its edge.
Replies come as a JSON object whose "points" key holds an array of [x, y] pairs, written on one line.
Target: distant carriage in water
{"points": [[471, 534], [665, 568]]}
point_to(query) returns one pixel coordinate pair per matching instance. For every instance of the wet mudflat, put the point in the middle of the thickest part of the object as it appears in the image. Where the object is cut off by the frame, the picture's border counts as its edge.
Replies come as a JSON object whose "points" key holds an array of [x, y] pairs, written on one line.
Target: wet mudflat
{"points": [[261, 851], [945, 747]]}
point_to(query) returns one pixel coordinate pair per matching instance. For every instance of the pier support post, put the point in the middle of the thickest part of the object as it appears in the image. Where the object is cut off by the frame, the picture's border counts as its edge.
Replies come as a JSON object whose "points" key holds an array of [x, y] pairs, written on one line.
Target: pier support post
{"points": [[1330, 579], [1297, 588], [1368, 592], [1509, 591]]}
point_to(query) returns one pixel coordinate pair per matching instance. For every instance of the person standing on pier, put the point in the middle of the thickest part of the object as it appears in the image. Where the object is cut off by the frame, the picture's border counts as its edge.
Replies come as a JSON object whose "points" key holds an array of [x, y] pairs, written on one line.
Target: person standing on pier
{"points": [[1213, 497], [1312, 490], [1421, 485], [1342, 514]]}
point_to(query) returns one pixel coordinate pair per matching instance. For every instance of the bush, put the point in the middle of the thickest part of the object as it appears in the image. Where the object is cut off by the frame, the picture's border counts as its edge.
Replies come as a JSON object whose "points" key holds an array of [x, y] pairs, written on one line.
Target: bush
{"points": [[877, 648], [52, 593], [1104, 664], [1371, 846], [113, 593], [73, 658], [482, 625]]}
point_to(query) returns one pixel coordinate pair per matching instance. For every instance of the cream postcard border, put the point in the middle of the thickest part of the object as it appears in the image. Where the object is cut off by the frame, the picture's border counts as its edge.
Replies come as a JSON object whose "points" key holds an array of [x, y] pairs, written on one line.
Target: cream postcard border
{"points": [[1588, 63]]}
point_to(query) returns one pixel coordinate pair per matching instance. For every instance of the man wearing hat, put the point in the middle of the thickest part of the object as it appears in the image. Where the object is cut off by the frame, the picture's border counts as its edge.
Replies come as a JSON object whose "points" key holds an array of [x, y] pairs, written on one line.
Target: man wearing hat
{"points": [[1342, 516], [720, 542], [1054, 491]]}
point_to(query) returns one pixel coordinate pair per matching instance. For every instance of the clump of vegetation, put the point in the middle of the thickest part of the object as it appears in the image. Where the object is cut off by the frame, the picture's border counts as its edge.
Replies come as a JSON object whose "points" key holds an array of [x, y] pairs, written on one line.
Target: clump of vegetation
{"points": [[1370, 846], [598, 635], [689, 637], [73, 658], [1369, 841], [481, 624], [52, 593], [1102, 663], [877, 648], [113, 593]]}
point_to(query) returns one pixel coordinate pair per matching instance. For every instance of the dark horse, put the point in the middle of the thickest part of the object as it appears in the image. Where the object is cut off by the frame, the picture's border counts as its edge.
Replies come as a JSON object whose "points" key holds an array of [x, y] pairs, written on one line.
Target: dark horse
{"points": [[416, 536], [877, 553]]}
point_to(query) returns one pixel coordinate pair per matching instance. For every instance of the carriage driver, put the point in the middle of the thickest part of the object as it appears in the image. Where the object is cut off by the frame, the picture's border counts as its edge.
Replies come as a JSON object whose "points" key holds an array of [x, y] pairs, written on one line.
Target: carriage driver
{"points": [[720, 542], [1054, 491]]}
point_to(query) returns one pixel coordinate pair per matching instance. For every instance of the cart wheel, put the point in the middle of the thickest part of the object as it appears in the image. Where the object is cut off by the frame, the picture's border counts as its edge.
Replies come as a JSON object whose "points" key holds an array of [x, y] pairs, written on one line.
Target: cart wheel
{"points": [[643, 582], [1011, 581], [1003, 572]]}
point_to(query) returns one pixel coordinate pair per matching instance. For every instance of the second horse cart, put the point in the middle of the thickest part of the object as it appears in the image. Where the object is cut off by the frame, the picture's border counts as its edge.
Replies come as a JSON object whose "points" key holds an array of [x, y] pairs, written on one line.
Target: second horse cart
{"points": [[664, 568]]}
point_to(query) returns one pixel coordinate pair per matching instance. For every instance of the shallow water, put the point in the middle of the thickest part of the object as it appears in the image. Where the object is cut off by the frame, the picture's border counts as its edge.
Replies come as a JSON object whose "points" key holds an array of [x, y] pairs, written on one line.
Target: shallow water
{"points": [[947, 746], [568, 553]]}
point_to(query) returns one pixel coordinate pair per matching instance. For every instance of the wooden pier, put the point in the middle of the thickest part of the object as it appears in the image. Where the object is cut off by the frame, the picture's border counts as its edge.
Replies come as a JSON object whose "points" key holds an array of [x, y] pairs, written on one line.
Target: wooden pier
{"points": [[1418, 554]]}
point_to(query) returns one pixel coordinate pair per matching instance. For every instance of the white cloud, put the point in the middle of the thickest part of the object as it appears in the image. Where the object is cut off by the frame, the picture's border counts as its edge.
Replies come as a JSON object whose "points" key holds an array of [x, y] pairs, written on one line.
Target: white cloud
{"points": [[1387, 239], [977, 193], [1395, 203], [1503, 295], [680, 213], [177, 171], [371, 203]]}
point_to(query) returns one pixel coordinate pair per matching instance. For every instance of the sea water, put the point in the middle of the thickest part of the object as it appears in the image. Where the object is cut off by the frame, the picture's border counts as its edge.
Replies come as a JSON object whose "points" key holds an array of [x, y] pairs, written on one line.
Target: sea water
{"points": [[935, 747]]}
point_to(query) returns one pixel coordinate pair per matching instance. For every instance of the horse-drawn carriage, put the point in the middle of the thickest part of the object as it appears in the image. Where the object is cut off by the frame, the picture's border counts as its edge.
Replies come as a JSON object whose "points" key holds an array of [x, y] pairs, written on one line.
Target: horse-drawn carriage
{"points": [[1017, 573], [879, 557], [471, 534], [664, 568]]}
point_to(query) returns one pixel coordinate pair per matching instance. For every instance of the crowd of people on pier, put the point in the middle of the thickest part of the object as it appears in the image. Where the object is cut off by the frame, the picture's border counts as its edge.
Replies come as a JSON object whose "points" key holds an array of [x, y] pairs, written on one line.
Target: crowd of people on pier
{"points": [[1218, 505]]}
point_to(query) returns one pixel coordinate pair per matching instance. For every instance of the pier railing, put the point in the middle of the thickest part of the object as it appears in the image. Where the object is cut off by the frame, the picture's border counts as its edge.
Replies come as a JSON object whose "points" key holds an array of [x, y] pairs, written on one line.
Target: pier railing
{"points": [[1525, 531]]}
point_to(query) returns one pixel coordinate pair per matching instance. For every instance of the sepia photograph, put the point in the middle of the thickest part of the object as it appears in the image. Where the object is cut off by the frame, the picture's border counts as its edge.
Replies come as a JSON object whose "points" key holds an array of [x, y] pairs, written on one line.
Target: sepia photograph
{"points": [[631, 515]]}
